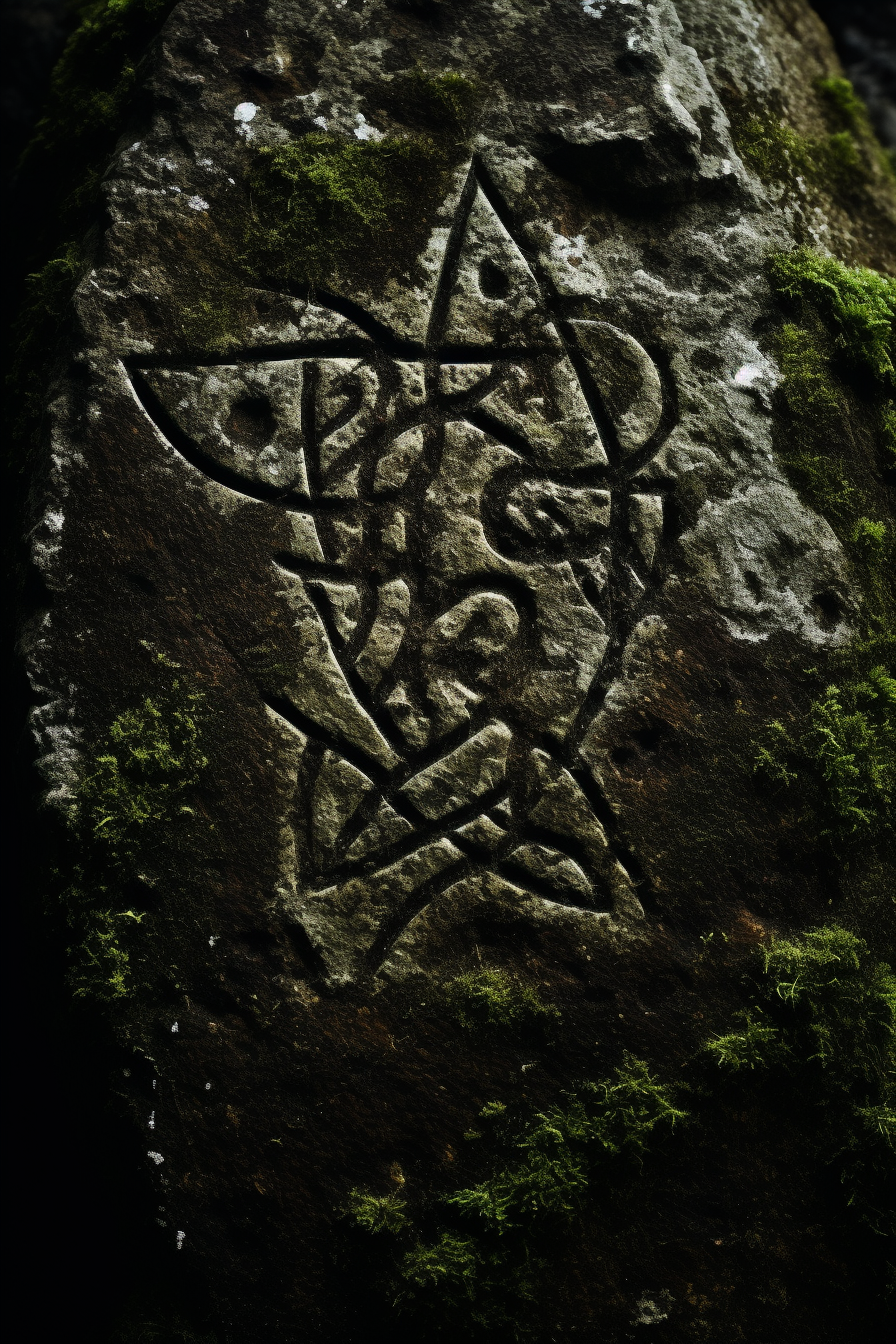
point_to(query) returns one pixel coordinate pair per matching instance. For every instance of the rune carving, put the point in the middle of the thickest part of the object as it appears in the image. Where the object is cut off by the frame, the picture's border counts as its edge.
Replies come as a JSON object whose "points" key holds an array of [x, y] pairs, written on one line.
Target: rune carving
{"points": [[472, 548]]}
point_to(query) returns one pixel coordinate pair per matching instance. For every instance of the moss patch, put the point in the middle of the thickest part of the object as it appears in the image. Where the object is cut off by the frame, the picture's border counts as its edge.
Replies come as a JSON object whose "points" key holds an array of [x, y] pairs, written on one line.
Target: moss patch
{"points": [[846, 161], [857, 305], [321, 203], [449, 98], [481, 1268], [824, 1023], [837, 354], [133, 794], [840, 762], [603, 1173], [490, 999]]}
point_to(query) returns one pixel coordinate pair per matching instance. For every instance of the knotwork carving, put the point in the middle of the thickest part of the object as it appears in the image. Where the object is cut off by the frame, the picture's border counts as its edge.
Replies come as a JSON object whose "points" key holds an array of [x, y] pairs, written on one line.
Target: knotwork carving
{"points": [[472, 547]]}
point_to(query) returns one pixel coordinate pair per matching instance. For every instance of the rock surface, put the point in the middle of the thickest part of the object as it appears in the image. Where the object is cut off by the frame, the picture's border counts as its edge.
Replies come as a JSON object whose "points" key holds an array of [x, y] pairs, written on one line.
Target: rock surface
{"points": [[463, 562]]}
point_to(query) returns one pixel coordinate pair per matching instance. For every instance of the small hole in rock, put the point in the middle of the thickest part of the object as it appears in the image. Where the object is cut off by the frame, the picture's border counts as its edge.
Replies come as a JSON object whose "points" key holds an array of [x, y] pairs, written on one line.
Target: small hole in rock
{"points": [[753, 582], [140, 582], [829, 606], [621, 755], [493, 282], [251, 422]]}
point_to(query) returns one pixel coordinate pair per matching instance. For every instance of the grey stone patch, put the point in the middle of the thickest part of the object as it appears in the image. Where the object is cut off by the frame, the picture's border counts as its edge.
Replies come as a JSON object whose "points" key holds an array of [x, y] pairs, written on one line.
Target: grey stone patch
{"points": [[398, 460], [344, 922], [456, 379], [338, 790], [772, 565], [546, 511], [462, 776], [484, 625], [546, 408], [248, 418], [491, 897], [553, 869], [627, 378], [483, 833], [631, 688], [387, 631], [495, 299], [563, 807], [645, 522], [304, 542], [318, 685], [385, 828], [344, 604], [394, 533]]}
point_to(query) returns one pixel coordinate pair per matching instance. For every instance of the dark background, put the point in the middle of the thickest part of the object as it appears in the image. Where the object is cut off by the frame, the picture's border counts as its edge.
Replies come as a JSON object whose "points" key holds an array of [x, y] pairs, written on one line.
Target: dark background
{"points": [[81, 1221]]}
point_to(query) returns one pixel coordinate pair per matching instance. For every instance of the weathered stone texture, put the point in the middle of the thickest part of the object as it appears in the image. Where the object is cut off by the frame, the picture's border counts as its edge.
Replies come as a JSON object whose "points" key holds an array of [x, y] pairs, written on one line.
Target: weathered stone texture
{"points": [[480, 555]]}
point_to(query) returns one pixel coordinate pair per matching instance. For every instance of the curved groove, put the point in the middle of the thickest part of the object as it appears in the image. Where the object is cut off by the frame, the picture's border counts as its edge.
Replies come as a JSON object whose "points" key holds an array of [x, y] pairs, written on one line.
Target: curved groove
{"points": [[204, 462], [309, 728]]}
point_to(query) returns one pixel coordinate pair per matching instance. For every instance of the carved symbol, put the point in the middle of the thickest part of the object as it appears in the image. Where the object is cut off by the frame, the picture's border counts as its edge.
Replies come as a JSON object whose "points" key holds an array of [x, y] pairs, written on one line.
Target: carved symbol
{"points": [[471, 549]]}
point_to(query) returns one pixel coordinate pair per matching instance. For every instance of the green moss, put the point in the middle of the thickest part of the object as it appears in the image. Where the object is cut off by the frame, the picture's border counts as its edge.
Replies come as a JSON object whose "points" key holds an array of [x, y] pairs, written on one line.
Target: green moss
{"points": [[846, 161], [845, 108], [811, 1056], [215, 323], [837, 351], [320, 199], [888, 432], [486, 999], [452, 98], [133, 791], [828, 1025], [840, 761], [481, 1267], [857, 305], [378, 1213], [841, 98], [777, 153]]}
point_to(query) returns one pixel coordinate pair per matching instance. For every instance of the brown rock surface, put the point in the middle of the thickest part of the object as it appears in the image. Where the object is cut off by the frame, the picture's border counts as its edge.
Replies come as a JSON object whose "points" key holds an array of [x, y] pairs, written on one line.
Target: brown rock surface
{"points": [[427, 549]]}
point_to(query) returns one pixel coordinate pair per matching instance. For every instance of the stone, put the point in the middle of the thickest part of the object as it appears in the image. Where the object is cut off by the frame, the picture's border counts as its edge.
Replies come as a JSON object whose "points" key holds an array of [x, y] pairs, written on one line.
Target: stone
{"points": [[418, 536]]}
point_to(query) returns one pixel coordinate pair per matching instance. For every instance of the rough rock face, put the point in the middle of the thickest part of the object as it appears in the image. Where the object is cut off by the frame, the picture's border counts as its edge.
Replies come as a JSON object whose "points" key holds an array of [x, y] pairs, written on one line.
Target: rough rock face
{"points": [[418, 595]]}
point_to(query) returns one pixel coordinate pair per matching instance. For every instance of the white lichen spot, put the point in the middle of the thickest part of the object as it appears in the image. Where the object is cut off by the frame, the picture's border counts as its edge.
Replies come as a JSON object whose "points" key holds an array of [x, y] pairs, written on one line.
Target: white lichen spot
{"points": [[321, 122], [152, 1120], [651, 1308], [747, 374], [364, 131], [208, 1087], [156, 1157], [197, 203], [212, 941], [570, 250], [181, 1237], [176, 1027], [244, 112]]}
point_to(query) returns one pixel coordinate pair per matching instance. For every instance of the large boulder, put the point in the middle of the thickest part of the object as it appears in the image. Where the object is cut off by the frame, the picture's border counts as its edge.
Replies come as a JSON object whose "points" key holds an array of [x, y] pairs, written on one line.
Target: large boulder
{"points": [[468, 439]]}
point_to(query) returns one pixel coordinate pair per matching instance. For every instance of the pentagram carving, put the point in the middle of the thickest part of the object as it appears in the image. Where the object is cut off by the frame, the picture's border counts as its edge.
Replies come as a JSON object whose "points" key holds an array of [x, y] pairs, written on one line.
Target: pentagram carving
{"points": [[472, 547]]}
